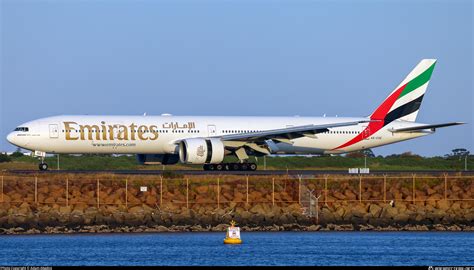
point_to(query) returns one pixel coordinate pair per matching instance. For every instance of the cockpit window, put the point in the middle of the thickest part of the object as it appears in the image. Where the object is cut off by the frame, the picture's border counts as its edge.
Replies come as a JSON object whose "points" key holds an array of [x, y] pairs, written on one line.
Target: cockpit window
{"points": [[24, 129]]}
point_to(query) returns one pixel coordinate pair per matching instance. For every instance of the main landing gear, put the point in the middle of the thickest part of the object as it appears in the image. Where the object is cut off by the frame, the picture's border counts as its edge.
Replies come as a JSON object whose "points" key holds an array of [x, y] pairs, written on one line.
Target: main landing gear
{"points": [[230, 167]]}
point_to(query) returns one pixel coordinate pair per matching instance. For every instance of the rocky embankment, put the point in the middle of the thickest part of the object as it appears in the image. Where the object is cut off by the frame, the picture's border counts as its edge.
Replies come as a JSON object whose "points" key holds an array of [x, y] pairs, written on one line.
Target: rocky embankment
{"points": [[146, 212]]}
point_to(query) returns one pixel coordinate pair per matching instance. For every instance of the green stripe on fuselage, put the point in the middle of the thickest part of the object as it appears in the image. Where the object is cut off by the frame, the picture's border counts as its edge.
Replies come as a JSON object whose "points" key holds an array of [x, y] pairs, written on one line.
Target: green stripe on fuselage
{"points": [[418, 81]]}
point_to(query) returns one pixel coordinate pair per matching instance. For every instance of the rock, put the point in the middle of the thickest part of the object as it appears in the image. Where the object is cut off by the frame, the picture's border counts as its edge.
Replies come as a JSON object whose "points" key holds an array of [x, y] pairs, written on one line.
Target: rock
{"points": [[401, 218], [196, 228], [220, 228], [294, 208], [453, 228], [338, 195], [349, 195], [327, 216], [150, 200], [24, 208], [366, 228], [469, 216], [161, 229], [33, 231], [375, 210], [257, 209], [339, 214], [443, 204], [389, 212], [359, 211], [346, 227], [313, 228], [65, 209], [6, 198], [202, 189], [136, 210]]}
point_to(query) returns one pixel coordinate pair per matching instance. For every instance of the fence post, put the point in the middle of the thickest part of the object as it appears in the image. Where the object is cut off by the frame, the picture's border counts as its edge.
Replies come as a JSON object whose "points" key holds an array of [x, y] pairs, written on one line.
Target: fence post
{"points": [[218, 194], [413, 188], [445, 186], [325, 189], [36, 189], [384, 188], [247, 189], [161, 190], [2, 188], [273, 191], [187, 193], [299, 189], [67, 191], [126, 192], [98, 195], [360, 188]]}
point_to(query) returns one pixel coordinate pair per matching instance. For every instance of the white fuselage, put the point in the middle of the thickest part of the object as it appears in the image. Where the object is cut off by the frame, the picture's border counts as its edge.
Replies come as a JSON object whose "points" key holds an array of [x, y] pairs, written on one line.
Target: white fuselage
{"points": [[78, 134]]}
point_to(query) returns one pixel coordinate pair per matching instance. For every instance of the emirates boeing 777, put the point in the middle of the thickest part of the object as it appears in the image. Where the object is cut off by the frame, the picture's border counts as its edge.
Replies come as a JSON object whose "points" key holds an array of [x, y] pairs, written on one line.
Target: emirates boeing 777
{"points": [[206, 140]]}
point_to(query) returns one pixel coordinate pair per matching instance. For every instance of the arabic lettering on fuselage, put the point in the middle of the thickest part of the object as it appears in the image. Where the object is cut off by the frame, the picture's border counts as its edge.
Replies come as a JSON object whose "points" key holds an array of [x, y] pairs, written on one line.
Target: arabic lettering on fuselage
{"points": [[176, 125]]}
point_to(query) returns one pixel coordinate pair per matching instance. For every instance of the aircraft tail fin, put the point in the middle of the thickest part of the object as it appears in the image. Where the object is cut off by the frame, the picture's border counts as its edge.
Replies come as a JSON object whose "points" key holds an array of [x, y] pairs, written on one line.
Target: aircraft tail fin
{"points": [[404, 102]]}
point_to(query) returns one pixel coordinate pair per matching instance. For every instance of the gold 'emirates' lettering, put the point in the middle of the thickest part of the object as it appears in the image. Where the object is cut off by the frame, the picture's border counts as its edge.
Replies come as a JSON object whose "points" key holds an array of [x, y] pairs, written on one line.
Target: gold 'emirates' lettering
{"points": [[75, 131]]}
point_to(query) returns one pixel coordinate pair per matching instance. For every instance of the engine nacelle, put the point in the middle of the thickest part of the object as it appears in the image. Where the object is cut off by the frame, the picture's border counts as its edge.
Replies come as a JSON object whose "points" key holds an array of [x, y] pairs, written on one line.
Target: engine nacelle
{"points": [[201, 151], [165, 159]]}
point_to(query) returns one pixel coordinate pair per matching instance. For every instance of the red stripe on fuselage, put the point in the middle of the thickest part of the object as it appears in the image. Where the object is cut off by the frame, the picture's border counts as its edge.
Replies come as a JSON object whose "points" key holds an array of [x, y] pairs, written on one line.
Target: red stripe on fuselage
{"points": [[378, 114]]}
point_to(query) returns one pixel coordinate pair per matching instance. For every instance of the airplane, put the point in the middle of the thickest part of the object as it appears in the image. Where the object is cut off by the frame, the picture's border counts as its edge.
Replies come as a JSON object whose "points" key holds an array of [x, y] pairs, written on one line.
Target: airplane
{"points": [[206, 140]]}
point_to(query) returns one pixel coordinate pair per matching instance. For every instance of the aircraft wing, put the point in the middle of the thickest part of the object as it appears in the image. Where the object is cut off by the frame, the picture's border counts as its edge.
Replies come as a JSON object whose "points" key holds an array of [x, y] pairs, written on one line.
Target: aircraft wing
{"points": [[256, 140], [286, 134], [423, 127]]}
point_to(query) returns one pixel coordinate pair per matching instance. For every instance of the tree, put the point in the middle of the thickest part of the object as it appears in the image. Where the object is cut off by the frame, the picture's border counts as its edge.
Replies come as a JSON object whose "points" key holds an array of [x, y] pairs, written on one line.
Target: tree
{"points": [[458, 153], [4, 158], [17, 153], [360, 154]]}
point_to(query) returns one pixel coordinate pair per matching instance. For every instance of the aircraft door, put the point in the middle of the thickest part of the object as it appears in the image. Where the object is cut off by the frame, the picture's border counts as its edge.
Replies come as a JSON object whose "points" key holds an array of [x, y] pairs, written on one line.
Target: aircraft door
{"points": [[53, 131], [211, 130], [367, 133]]}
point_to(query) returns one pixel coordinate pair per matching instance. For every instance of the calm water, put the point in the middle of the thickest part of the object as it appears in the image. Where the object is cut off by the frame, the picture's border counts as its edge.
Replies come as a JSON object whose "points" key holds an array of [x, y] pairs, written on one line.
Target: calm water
{"points": [[269, 248]]}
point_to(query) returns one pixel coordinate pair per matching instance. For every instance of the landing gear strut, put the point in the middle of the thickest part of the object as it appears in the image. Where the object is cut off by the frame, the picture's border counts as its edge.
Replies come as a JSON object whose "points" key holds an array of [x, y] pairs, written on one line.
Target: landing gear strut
{"points": [[230, 167]]}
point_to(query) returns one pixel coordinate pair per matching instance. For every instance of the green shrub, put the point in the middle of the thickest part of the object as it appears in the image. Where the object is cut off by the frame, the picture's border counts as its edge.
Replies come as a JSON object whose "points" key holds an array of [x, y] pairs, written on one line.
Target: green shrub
{"points": [[16, 154], [4, 158]]}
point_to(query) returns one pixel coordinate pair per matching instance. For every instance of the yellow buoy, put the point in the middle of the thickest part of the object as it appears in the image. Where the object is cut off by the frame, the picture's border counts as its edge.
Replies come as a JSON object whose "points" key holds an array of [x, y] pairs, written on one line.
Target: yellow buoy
{"points": [[233, 234]]}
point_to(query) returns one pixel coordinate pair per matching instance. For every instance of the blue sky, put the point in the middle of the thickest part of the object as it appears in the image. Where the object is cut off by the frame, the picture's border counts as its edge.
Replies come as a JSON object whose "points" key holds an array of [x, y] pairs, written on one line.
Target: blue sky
{"points": [[305, 58]]}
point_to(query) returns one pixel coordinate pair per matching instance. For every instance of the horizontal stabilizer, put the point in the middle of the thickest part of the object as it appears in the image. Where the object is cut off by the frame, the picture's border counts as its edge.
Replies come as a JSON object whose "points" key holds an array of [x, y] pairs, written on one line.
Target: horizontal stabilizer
{"points": [[422, 127]]}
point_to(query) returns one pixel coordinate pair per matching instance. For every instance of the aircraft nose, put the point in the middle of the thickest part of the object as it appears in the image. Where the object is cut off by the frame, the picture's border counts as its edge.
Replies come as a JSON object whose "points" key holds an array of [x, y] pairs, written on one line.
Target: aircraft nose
{"points": [[11, 138]]}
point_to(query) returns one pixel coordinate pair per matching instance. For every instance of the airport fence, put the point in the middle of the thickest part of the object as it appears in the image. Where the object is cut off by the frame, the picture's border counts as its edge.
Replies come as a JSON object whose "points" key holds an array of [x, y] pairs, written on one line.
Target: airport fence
{"points": [[196, 191]]}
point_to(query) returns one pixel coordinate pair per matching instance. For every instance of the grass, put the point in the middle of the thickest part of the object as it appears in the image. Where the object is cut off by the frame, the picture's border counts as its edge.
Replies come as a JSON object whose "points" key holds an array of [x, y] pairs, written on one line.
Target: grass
{"points": [[101, 162]]}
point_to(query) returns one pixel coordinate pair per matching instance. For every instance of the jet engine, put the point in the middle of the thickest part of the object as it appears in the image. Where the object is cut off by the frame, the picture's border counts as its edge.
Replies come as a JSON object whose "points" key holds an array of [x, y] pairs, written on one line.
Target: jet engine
{"points": [[201, 151], [165, 159]]}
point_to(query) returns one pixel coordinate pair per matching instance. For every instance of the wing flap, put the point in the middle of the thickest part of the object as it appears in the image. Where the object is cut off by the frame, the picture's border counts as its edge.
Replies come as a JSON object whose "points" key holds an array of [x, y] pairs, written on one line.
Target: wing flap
{"points": [[424, 127]]}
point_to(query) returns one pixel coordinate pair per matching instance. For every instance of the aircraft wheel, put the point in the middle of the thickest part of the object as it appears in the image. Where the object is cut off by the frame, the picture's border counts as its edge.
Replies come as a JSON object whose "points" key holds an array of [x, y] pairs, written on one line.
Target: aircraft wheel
{"points": [[235, 167], [253, 166], [43, 166]]}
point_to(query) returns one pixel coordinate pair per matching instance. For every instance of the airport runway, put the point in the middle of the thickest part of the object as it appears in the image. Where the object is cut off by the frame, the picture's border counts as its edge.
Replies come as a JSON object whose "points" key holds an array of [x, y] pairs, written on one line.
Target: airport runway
{"points": [[258, 172]]}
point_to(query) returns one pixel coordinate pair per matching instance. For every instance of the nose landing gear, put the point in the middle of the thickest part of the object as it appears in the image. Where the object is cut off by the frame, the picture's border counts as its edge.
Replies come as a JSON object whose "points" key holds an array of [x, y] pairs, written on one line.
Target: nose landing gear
{"points": [[42, 166]]}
